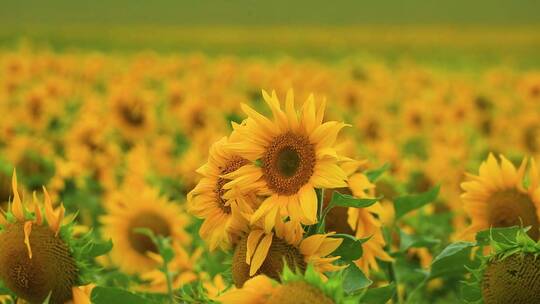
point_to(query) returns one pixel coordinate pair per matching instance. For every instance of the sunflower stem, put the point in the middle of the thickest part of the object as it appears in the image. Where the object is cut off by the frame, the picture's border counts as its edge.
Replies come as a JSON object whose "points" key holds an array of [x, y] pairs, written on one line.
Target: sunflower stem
{"points": [[169, 282]]}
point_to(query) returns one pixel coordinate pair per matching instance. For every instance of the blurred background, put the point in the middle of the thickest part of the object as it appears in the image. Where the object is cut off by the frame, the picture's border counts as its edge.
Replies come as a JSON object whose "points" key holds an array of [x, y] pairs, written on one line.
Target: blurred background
{"points": [[425, 30]]}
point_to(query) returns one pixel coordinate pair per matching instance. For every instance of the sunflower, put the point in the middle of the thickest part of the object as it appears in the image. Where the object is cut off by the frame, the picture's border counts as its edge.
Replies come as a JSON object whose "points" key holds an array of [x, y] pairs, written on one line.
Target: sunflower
{"points": [[222, 218], [296, 155], [359, 222], [38, 255], [129, 210], [36, 108], [295, 288], [498, 197], [509, 274], [260, 252], [131, 110]]}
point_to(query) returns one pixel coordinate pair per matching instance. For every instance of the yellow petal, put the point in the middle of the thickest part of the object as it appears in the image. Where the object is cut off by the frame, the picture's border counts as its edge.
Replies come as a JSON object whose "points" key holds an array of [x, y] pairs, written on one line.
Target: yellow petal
{"points": [[80, 296], [260, 254], [290, 110], [308, 202], [252, 242], [311, 244], [49, 212], [309, 115], [59, 218], [320, 111], [329, 245], [494, 171], [17, 208], [508, 171], [270, 220], [27, 232], [264, 208]]}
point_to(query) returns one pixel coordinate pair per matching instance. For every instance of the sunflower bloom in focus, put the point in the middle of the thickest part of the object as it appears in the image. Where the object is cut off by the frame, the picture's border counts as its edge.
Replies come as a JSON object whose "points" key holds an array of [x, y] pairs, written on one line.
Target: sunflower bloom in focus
{"points": [[291, 156]]}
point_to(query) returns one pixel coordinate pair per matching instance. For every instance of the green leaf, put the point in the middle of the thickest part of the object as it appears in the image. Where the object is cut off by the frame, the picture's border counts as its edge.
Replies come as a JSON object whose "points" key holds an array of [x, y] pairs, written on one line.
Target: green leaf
{"points": [[505, 235], [115, 295], [100, 248], [379, 295], [351, 247], [415, 241], [354, 280], [407, 203], [470, 292], [107, 295], [374, 174], [345, 200], [452, 260]]}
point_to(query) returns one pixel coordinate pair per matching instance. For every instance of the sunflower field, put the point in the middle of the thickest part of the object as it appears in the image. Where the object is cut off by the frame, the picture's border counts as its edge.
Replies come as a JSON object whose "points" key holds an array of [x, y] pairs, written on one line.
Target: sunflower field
{"points": [[332, 165]]}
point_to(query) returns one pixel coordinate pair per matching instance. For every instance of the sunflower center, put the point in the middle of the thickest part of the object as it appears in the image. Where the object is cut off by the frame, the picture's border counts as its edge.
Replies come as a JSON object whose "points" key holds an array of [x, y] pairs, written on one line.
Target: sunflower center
{"points": [[52, 268], [288, 163], [515, 279], [141, 242], [272, 266], [132, 116], [298, 292], [513, 208], [36, 107], [232, 165], [337, 218]]}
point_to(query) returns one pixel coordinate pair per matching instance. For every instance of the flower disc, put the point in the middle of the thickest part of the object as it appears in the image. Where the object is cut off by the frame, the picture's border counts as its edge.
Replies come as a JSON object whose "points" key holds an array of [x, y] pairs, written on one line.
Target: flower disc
{"points": [[51, 268], [143, 243], [514, 279], [288, 163], [337, 218], [512, 208], [272, 265]]}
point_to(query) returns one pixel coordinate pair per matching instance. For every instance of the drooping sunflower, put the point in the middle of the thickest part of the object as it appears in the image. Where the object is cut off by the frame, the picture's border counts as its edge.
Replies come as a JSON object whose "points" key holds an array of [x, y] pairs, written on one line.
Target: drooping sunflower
{"points": [[292, 156], [259, 252], [38, 254], [509, 274], [498, 196], [222, 218], [305, 288], [130, 210]]}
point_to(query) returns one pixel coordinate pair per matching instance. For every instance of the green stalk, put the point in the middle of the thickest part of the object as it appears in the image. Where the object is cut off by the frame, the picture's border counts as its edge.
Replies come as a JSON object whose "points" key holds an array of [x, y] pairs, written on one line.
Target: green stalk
{"points": [[169, 282]]}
